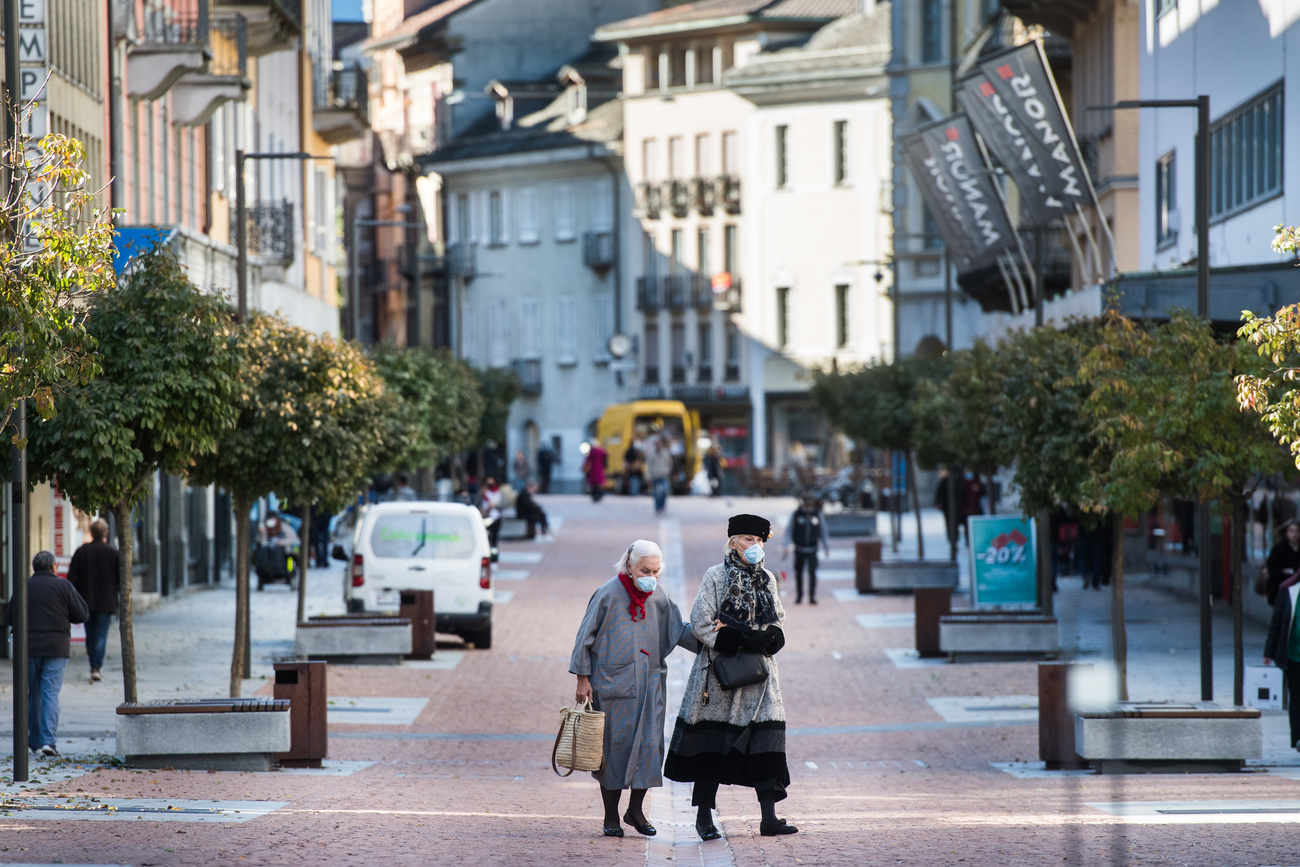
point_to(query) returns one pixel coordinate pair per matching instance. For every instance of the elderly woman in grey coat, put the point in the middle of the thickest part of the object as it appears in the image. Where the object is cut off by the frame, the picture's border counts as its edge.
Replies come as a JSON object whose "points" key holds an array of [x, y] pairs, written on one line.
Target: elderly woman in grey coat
{"points": [[630, 627], [735, 736]]}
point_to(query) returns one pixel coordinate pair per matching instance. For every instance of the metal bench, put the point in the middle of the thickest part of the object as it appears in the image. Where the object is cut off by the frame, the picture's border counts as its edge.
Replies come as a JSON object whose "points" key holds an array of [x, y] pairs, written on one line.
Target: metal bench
{"points": [[219, 734], [351, 639]]}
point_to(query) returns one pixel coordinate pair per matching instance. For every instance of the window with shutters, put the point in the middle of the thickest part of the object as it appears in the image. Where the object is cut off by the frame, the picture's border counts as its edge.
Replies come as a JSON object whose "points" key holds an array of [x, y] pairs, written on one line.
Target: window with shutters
{"points": [[566, 332], [603, 314], [529, 227], [564, 220], [677, 344], [1166, 201], [529, 329], [704, 349], [499, 335], [602, 205], [497, 236], [651, 373]]}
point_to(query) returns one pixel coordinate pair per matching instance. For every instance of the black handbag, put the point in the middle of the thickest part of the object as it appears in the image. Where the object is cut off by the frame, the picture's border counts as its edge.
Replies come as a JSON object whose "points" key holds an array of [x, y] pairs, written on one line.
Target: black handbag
{"points": [[734, 670]]}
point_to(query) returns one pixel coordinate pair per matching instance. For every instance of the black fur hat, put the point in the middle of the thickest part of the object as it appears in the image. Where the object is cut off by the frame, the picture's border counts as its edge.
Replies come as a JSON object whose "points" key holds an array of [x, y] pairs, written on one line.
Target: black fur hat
{"points": [[749, 525]]}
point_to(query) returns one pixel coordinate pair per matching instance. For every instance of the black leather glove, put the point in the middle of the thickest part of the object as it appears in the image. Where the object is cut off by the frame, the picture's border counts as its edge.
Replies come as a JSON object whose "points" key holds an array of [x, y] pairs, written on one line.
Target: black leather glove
{"points": [[728, 640], [776, 640], [756, 640]]}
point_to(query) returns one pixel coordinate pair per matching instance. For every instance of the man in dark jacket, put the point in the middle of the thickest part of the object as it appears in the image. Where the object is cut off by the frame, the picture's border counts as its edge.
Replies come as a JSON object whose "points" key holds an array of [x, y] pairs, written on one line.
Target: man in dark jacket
{"points": [[1282, 647], [806, 531], [94, 572], [53, 605]]}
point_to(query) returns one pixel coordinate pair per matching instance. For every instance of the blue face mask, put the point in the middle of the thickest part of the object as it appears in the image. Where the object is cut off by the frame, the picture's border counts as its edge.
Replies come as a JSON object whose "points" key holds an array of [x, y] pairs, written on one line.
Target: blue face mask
{"points": [[646, 585], [754, 554]]}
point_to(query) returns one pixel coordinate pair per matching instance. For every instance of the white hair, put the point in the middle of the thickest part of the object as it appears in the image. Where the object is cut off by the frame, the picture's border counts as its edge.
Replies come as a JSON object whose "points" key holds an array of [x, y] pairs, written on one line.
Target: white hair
{"points": [[727, 547], [636, 552]]}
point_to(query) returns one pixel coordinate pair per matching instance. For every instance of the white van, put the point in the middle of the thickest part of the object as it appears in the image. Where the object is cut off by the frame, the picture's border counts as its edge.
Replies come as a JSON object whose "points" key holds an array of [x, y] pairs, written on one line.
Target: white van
{"points": [[441, 547]]}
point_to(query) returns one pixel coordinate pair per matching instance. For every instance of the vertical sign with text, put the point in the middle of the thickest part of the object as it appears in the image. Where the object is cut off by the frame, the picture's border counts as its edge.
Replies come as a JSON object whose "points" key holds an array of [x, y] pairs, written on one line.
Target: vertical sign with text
{"points": [[1004, 571], [34, 63]]}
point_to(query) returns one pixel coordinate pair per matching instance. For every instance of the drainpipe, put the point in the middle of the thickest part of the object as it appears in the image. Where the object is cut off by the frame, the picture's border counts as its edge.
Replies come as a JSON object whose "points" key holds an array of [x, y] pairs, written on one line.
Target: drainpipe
{"points": [[115, 132]]}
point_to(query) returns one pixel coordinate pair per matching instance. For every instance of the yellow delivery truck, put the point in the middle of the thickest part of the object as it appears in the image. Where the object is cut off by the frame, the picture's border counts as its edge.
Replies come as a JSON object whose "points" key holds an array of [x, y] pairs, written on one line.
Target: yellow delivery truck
{"points": [[642, 421]]}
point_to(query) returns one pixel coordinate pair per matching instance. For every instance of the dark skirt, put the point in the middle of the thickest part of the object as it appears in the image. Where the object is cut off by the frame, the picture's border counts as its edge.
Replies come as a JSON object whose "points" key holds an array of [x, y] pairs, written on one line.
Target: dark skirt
{"points": [[718, 752]]}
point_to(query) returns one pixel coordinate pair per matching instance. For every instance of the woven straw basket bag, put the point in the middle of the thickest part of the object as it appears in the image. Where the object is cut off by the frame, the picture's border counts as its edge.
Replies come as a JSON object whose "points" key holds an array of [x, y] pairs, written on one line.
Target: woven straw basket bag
{"points": [[580, 745]]}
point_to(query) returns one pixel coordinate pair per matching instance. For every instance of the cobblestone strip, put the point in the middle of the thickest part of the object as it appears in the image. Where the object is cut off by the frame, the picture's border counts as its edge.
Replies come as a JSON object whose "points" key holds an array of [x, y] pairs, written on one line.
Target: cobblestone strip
{"points": [[670, 810]]}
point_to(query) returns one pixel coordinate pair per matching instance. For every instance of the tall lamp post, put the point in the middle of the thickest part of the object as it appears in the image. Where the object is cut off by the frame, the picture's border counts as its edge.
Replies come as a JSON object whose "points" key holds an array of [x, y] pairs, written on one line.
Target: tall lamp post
{"points": [[1202, 158], [241, 280]]}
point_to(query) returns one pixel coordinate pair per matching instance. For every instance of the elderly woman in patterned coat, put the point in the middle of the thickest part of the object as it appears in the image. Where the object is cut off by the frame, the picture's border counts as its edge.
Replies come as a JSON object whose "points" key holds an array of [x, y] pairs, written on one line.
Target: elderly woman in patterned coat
{"points": [[736, 736], [630, 627]]}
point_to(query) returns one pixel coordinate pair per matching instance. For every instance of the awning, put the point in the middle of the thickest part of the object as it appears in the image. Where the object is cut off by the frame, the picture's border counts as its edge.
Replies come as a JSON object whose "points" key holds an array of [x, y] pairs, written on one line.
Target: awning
{"points": [[130, 240]]}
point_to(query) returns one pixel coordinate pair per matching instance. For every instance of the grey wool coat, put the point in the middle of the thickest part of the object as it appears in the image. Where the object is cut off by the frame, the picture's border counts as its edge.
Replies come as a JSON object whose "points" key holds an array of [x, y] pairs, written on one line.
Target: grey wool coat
{"points": [[739, 707], [625, 662]]}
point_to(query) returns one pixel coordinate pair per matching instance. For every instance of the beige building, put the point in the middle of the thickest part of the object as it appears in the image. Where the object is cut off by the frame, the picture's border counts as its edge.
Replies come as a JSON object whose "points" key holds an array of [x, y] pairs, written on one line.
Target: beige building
{"points": [[688, 152]]}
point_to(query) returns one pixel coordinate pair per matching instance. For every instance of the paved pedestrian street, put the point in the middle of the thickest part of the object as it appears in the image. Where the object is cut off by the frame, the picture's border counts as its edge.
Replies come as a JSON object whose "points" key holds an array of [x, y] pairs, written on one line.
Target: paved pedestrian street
{"points": [[893, 760]]}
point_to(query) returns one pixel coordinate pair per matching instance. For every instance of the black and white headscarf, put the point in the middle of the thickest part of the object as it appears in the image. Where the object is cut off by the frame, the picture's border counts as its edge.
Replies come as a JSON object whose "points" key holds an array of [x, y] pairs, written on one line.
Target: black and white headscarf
{"points": [[747, 601]]}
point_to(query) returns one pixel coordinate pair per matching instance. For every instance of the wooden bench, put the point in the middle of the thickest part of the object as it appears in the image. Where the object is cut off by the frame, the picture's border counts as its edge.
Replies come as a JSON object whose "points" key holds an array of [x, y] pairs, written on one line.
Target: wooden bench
{"points": [[1169, 737], [215, 734], [351, 639]]}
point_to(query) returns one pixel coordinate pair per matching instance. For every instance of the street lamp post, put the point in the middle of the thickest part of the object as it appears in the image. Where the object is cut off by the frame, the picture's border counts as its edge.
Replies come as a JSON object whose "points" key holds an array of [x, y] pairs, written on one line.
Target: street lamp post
{"points": [[1202, 159]]}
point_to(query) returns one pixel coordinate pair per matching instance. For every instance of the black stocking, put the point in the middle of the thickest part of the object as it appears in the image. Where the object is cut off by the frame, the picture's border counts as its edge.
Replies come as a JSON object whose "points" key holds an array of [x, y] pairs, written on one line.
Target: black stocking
{"points": [[767, 803], [610, 797], [636, 806], [704, 796]]}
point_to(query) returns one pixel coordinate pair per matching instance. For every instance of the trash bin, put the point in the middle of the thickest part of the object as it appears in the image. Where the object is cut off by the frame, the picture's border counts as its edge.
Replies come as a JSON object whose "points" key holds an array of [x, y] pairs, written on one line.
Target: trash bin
{"points": [[864, 554], [417, 606], [303, 684], [932, 603], [1056, 745]]}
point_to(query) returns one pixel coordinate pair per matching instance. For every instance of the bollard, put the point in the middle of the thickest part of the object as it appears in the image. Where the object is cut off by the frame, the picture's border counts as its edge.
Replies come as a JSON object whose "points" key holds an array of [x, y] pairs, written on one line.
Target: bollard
{"points": [[417, 606], [1055, 721], [864, 554], [303, 684], [931, 603]]}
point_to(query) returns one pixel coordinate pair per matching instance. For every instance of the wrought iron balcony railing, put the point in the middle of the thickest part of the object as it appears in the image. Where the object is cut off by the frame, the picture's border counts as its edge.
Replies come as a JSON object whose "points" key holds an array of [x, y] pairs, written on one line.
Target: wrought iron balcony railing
{"points": [[648, 298], [598, 249], [270, 229], [728, 193], [169, 27], [349, 90], [704, 193], [650, 199], [462, 260], [529, 371], [678, 195], [677, 291], [228, 41]]}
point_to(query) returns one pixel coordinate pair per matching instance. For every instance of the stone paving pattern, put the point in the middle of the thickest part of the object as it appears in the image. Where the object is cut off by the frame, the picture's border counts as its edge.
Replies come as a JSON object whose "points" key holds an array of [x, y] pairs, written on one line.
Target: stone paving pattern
{"points": [[923, 797]]}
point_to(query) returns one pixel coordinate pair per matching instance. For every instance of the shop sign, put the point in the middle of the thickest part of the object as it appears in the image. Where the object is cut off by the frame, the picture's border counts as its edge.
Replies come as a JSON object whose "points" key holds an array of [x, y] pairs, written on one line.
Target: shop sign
{"points": [[1004, 561]]}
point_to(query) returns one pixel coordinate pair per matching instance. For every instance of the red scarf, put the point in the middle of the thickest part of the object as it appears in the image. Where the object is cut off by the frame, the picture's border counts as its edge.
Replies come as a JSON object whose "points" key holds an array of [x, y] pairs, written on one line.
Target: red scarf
{"points": [[639, 596]]}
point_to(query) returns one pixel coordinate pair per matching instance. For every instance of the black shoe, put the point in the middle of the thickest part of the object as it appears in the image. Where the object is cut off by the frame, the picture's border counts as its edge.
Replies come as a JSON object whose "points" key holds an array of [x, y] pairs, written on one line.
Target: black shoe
{"points": [[798, 601], [776, 829], [645, 829], [615, 831], [812, 601], [707, 832]]}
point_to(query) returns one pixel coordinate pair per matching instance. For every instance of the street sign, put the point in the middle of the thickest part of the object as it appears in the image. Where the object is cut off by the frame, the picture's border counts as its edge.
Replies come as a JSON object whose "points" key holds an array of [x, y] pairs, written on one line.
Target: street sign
{"points": [[1004, 560]]}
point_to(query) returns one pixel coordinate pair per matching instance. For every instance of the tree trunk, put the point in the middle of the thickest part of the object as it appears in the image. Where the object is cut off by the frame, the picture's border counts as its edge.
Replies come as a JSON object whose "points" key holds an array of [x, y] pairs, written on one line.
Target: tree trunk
{"points": [[1240, 517], [916, 506], [894, 509], [242, 507], [1046, 563], [988, 488], [1118, 632], [950, 518], [304, 557], [125, 619]]}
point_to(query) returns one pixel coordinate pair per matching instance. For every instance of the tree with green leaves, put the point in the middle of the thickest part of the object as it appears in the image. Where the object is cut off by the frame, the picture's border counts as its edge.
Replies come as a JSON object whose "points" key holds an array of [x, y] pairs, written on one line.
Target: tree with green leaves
{"points": [[164, 397], [306, 425], [877, 404], [437, 405], [58, 252]]}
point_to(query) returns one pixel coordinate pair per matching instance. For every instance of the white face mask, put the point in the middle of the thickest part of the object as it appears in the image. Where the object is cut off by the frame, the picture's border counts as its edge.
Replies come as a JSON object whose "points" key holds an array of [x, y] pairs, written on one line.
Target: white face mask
{"points": [[646, 585], [754, 554]]}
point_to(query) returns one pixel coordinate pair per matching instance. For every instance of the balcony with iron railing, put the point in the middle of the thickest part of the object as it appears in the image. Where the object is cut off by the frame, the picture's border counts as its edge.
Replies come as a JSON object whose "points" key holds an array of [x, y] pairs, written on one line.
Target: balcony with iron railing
{"points": [[462, 260], [677, 291], [345, 114], [726, 292], [728, 193], [270, 230], [598, 249], [649, 199], [648, 297], [679, 197], [529, 371], [171, 43], [704, 195], [272, 24], [197, 95], [701, 291]]}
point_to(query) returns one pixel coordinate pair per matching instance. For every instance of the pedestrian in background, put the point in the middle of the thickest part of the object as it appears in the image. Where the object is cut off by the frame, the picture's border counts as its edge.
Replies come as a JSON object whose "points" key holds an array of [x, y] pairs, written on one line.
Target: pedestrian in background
{"points": [[545, 461], [1283, 559], [528, 509], [713, 470], [633, 469], [1282, 647], [320, 535], [521, 469], [53, 605], [659, 466], [806, 531], [734, 737], [95, 573], [593, 470], [630, 627], [403, 492], [489, 506]]}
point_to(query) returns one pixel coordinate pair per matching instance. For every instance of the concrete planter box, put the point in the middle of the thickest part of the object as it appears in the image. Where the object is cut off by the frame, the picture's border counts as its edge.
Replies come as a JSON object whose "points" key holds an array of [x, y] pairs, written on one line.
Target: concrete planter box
{"points": [[992, 635], [902, 576], [850, 523], [364, 640], [203, 736], [1169, 738]]}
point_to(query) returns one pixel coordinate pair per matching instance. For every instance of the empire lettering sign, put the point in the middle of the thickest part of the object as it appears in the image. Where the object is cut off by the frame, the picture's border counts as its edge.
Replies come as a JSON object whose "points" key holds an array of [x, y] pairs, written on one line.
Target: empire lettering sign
{"points": [[34, 72]]}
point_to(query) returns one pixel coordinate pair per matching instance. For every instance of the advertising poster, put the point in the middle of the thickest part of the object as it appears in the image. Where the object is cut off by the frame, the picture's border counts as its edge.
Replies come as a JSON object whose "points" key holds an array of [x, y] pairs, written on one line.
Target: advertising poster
{"points": [[1004, 562]]}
